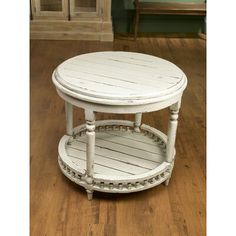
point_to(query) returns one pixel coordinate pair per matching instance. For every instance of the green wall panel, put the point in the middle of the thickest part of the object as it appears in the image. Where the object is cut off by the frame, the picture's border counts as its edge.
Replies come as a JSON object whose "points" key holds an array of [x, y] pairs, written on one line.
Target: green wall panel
{"points": [[122, 14], [129, 3]]}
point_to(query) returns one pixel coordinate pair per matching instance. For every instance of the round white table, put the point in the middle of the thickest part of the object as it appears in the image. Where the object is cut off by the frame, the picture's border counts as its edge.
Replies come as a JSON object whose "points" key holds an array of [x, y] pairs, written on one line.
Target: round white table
{"points": [[126, 156]]}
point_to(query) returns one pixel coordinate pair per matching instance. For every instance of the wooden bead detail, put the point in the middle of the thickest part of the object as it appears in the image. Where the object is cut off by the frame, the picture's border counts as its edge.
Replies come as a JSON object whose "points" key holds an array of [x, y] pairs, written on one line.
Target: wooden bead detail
{"points": [[174, 115], [120, 186], [150, 181], [90, 126], [89, 180]]}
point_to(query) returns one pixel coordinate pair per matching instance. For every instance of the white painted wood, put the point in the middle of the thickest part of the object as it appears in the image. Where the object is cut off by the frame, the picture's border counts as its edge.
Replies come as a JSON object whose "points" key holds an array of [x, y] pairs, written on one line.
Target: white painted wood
{"points": [[118, 158], [168, 100], [137, 122], [90, 149], [69, 118], [109, 163], [80, 162], [119, 78], [90, 152], [89, 194], [172, 128], [132, 136], [110, 173], [167, 182], [129, 161], [114, 185], [66, 159], [120, 146], [126, 140], [127, 156]]}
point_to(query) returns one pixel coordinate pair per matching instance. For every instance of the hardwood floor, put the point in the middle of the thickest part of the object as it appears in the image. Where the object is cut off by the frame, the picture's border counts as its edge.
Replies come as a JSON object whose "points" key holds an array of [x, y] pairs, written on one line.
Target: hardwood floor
{"points": [[60, 207]]}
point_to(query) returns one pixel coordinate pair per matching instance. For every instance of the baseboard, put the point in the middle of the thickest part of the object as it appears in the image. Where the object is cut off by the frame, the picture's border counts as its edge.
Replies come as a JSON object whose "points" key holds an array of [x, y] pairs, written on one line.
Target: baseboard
{"points": [[158, 35], [71, 30]]}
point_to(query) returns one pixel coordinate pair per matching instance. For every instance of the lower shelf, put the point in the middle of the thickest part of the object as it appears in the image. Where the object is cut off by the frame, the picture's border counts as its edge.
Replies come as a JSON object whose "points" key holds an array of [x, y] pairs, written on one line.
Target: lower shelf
{"points": [[125, 161]]}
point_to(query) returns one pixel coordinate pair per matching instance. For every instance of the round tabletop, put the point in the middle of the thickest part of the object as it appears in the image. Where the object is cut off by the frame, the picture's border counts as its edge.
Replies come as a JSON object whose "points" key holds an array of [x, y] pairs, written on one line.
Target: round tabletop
{"points": [[119, 78]]}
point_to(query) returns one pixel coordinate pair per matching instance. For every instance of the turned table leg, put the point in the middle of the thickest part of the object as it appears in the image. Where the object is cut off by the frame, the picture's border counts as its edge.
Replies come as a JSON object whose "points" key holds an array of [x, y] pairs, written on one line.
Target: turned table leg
{"points": [[171, 135], [137, 122], [90, 150], [69, 118]]}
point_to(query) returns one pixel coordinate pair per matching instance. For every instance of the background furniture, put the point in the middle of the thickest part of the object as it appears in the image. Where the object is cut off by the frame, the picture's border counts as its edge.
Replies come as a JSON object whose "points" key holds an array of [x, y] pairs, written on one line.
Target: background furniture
{"points": [[166, 8], [126, 156], [74, 19]]}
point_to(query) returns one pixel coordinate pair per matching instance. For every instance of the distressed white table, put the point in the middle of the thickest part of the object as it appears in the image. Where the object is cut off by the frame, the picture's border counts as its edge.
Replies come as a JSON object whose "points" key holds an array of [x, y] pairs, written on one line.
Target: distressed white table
{"points": [[126, 156]]}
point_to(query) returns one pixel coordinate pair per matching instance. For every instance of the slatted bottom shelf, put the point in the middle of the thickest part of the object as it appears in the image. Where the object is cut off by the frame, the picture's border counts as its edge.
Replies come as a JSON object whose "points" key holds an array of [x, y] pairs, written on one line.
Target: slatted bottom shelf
{"points": [[124, 161]]}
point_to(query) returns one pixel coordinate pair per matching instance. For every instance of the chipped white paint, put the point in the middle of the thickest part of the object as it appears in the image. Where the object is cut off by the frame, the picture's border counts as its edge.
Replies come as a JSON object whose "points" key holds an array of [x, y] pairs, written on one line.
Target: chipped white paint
{"points": [[119, 78], [90, 150], [126, 156], [124, 160], [69, 118], [137, 122]]}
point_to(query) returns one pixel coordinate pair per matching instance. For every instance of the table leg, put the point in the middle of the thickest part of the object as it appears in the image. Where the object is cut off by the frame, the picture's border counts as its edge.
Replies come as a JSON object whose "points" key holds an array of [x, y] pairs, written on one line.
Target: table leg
{"points": [[69, 120], [171, 136], [90, 150], [137, 122]]}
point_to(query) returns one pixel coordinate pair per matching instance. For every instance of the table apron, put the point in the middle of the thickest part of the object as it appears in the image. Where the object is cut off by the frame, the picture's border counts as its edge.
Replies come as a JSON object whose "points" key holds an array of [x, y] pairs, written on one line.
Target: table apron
{"points": [[121, 109]]}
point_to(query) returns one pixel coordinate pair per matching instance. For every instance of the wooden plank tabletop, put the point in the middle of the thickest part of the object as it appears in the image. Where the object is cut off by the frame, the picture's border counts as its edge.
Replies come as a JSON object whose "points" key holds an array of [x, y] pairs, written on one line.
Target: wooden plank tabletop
{"points": [[119, 77]]}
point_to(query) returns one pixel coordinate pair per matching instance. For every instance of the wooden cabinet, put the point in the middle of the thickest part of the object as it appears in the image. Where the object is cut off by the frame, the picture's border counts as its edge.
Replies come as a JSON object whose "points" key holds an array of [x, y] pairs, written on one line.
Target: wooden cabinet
{"points": [[49, 9], [71, 19], [85, 8]]}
